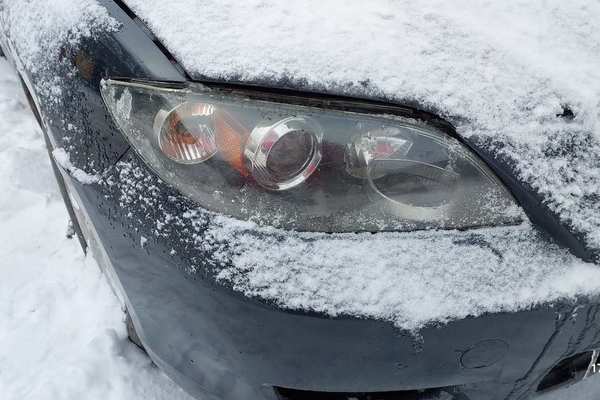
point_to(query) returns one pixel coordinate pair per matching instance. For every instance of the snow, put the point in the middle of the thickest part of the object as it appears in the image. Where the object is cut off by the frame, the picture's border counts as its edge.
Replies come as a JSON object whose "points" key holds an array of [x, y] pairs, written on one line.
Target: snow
{"points": [[61, 327], [62, 158], [453, 59], [62, 330], [497, 70], [39, 29], [411, 279]]}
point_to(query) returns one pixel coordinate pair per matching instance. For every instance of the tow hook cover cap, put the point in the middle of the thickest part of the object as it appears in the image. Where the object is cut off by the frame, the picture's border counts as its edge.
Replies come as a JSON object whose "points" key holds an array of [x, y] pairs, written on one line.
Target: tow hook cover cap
{"points": [[484, 354]]}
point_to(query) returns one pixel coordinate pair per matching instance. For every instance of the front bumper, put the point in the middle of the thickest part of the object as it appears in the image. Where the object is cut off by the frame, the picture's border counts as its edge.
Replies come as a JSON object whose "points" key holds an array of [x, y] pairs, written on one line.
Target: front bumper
{"points": [[217, 343]]}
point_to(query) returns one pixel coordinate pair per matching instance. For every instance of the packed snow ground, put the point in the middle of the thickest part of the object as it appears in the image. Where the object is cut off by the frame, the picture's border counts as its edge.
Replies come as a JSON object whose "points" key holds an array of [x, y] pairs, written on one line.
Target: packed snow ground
{"points": [[62, 334]]}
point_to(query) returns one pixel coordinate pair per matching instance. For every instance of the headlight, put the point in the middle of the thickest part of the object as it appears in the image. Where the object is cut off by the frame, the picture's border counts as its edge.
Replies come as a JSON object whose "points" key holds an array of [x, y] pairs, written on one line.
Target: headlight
{"points": [[306, 168]]}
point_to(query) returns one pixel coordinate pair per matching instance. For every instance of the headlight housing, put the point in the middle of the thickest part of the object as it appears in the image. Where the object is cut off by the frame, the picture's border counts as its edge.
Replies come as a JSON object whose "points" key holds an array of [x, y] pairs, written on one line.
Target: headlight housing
{"points": [[306, 168]]}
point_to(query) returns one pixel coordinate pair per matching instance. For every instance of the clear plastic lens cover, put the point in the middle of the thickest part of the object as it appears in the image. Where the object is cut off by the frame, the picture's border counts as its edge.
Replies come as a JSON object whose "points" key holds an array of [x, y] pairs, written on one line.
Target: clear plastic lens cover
{"points": [[306, 168]]}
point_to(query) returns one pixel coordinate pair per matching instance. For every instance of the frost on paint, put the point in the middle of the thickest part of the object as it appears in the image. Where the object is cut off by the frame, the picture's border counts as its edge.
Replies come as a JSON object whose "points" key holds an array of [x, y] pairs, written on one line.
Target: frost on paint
{"points": [[498, 70]]}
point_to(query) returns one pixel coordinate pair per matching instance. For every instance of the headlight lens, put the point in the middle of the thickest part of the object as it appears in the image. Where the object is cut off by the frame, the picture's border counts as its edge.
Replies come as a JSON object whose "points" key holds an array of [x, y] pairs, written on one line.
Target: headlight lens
{"points": [[306, 168]]}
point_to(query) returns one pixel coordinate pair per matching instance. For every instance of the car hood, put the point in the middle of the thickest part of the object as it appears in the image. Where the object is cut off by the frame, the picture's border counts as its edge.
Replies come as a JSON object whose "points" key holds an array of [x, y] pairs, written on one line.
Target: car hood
{"points": [[520, 80]]}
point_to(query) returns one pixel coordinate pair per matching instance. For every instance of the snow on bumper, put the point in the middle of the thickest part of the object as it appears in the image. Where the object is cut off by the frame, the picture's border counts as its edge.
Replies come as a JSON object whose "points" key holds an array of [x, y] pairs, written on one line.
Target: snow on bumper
{"points": [[410, 279]]}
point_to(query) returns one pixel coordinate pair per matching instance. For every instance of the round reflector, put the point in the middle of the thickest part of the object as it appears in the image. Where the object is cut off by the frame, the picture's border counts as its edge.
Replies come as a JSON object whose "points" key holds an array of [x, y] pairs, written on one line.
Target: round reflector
{"points": [[186, 134]]}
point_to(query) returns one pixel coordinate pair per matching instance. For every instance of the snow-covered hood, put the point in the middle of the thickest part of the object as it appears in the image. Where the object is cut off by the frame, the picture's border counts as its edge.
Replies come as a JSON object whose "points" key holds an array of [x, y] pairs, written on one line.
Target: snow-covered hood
{"points": [[496, 70]]}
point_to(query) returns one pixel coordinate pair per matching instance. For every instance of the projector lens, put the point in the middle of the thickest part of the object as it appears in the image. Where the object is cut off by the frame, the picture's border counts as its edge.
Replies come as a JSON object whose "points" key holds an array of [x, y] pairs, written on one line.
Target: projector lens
{"points": [[285, 154]]}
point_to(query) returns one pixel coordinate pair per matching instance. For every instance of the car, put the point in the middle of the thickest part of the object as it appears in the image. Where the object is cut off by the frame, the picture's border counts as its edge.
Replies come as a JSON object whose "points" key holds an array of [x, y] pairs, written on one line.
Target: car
{"points": [[280, 226]]}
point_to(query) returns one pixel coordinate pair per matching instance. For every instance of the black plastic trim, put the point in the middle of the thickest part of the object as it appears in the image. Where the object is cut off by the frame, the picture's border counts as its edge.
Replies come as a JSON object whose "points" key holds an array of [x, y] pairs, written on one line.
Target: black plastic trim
{"points": [[131, 14], [425, 394]]}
